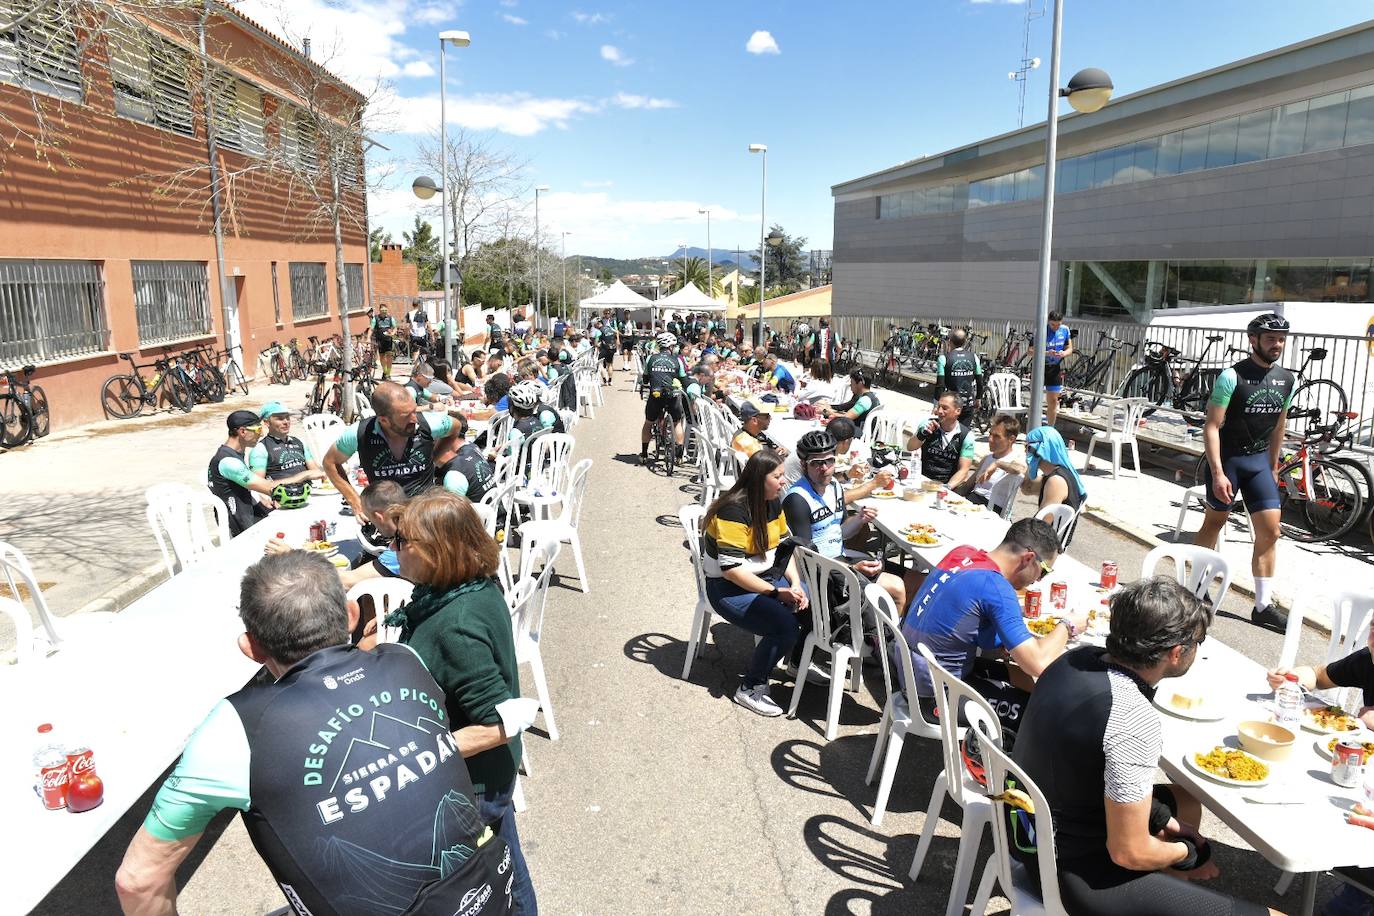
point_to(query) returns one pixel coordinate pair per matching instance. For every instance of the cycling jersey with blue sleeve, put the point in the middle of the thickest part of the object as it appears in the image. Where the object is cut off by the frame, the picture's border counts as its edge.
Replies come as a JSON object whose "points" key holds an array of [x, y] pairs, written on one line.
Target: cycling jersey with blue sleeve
{"points": [[958, 613]]}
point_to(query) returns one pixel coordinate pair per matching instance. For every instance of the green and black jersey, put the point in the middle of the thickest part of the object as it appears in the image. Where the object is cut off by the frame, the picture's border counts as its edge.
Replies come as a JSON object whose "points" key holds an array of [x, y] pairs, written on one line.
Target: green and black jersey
{"points": [[1255, 397]]}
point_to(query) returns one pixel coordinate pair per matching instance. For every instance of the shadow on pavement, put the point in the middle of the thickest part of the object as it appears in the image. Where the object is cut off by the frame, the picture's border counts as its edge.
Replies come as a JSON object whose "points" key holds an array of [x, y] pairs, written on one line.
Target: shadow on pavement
{"points": [[717, 669], [878, 864]]}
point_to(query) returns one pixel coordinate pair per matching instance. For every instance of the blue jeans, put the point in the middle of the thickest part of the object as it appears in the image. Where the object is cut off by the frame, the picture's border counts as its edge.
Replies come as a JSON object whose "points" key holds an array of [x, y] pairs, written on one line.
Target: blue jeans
{"points": [[497, 811], [766, 617]]}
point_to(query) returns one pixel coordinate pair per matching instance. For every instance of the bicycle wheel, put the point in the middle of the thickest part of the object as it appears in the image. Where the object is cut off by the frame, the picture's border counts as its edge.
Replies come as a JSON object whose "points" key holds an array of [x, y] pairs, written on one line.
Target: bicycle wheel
{"points": [[297, 367], [179, 394], [1333, 510], [1313, 403], [279, 374], [121, 397], [1146, 382], [1362, 476], [38, 406], [16, 424], [234, 379], [214, 383]]}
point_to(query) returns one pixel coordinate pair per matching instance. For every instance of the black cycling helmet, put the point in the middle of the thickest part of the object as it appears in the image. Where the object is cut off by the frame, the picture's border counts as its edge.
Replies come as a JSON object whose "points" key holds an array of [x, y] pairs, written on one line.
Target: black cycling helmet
{"points": [[1271, 322], [816, 442]]}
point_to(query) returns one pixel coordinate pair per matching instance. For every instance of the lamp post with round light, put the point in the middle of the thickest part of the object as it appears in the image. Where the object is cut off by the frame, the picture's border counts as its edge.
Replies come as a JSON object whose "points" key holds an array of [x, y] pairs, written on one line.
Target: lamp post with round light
{"points": [[710, 258], [1087, 92], [538, 280], [763, 227]]}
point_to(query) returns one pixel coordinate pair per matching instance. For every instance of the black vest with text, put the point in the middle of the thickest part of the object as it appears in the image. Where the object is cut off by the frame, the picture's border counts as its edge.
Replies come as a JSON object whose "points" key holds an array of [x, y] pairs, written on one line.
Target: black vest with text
{"points": [[360, 801], [940, 460], [472, 464], [285, 457], [414, 470], [238, 499], [961, 374]]}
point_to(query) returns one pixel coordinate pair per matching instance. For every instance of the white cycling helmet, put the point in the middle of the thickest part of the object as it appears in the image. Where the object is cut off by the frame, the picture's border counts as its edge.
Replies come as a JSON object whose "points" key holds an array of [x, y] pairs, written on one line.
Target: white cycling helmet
{"points": [[525, 395], [666, 340]]}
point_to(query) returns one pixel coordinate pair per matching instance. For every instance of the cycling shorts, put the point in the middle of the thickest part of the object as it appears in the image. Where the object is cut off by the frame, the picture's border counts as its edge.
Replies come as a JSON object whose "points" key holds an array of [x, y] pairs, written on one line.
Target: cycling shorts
{"points": [[658, 402], [383, 344], [1251, 476], [1054, 377]]}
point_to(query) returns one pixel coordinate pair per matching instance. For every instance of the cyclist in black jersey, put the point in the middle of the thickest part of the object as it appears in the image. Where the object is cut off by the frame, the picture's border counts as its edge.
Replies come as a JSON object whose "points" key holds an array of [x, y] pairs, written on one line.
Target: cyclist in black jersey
{"points": [[1242, 440], [282, 458], [463, 468], [383, 326], [666, 377]]}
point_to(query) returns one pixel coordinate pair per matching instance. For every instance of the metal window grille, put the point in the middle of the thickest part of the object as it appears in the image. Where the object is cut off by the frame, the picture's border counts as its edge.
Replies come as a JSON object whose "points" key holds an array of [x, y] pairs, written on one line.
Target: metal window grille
{"points": [[172, 299], [50, 310], [309, 290], [353, 277], [42, 54]]}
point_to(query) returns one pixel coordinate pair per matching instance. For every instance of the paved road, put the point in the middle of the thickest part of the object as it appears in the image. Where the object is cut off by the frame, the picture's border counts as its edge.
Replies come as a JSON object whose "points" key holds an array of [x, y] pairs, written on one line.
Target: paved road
{"points": [[662, 796]]}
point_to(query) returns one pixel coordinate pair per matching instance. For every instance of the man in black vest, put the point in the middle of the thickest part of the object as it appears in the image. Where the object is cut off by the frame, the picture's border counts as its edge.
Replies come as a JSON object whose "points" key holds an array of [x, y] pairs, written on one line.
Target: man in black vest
{"points": [[960, 371], [230, 477], [945, 444], [397, 444], [283, 459], [317, 762]]}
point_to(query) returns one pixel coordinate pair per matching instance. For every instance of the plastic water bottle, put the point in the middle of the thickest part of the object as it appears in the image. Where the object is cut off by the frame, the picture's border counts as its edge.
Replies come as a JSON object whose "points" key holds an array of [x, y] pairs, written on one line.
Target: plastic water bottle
{"points": [[1288, 703]]}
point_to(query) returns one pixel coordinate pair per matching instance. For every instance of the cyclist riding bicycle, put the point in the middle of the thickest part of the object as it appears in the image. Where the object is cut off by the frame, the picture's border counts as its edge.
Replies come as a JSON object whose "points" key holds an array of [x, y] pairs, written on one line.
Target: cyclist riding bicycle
{"points": [[666, 378], [1242, 441], [284, 459]]}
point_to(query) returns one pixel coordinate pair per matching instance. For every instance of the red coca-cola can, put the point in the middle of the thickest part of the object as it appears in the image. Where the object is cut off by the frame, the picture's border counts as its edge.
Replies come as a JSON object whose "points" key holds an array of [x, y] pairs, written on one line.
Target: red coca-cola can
{"points": [[53, 775], [1109, 574], [80, 760], [1032, 611], [317, 531], [1347, 762], [1059, 595]]}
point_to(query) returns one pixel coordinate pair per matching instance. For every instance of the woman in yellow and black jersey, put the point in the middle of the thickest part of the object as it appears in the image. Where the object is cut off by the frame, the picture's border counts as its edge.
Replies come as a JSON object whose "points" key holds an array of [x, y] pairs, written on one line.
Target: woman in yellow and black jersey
{"points": [[749, 582]]}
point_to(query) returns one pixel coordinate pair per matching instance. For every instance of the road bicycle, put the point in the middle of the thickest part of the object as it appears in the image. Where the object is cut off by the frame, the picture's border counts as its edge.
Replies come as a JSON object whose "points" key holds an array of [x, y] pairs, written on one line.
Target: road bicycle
{"points": [[23, 409], [231, 371], [665, 437], [1167, 377], [1088, 377], [296, 365], [848, 358], [912, 348], [1012, 356], [327, 394], [125, 396], [198, 370], [273, 360], [1321, 496]]}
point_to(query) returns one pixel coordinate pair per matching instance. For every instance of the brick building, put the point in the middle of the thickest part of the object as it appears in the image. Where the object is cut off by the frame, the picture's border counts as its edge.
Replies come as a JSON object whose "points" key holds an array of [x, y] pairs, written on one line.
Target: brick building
{"points": [[395, 281], [107, 240]]}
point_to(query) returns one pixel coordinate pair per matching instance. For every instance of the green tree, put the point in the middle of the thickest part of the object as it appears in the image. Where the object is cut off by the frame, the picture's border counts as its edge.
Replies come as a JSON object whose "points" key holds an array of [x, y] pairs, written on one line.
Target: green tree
{"points": [[606, 276], [422, 250], [749, 295], [694, 271], [375, 240], [786, 265]]}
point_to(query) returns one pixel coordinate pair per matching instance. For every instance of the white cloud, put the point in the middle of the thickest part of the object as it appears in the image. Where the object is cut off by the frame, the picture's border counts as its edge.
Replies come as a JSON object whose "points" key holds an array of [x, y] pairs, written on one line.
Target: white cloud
{"points": [[762, 42], [509, 3], [590, 18], [614, 55], [552, 34], [603, 224], [516, 113], [434, 14], [418, 68], [629, 100], [359, 41], [598, 184], [514, 20]]}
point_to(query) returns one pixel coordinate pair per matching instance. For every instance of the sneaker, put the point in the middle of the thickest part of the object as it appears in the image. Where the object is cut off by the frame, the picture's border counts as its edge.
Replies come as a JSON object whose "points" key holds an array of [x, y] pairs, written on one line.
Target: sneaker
{"points": [[1271, 617], [815, 674], [756, 699]]}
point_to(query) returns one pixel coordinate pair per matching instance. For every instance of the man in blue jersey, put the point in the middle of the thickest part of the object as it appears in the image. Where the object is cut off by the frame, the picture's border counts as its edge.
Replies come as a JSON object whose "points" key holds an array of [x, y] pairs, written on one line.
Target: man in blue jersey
{"points": [[1058, 347]]}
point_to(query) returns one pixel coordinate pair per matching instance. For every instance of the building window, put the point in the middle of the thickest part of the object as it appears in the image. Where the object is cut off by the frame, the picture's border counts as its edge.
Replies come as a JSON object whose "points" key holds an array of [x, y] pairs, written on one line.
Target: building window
{"points": [[41, 54], [172, 299], [50, 310], [353, 278], [309, 290], [239, 123], [150, 77], [276, 295]]}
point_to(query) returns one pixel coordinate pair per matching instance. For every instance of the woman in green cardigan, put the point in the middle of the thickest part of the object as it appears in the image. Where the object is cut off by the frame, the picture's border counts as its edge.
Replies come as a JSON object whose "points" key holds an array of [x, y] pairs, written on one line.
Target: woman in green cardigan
{"points": [[458, 623]]}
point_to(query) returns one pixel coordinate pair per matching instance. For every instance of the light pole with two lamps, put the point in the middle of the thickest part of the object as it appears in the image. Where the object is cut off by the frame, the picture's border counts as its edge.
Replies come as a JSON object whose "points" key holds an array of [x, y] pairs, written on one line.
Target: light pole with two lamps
{"points": [[1087, 92], [538, 278]]}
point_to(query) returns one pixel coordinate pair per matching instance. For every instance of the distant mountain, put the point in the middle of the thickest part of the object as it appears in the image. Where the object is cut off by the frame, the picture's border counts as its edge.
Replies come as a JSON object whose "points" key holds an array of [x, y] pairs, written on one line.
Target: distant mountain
{"points": [[718, 255], [620, 267]]}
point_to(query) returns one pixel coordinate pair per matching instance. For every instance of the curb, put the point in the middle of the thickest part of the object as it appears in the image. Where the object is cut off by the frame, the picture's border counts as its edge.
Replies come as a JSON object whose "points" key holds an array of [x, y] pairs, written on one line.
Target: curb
{"points": [[127, 591]]}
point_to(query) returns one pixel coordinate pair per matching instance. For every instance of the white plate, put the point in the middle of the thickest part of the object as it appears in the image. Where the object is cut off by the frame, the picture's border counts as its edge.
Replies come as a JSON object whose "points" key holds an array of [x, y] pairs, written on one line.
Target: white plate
{"points": [[1207, 712], [1320, 743], [1192, 764], [883, 494], [1309, 725]]}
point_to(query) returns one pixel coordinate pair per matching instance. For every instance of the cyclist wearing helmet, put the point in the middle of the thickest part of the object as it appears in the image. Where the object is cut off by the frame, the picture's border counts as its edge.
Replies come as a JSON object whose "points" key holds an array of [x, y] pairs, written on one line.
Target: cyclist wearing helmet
{"points": [[1244, 432], [529, 416], [814, 508], [467, 471], [666, 377], [283, 459]]}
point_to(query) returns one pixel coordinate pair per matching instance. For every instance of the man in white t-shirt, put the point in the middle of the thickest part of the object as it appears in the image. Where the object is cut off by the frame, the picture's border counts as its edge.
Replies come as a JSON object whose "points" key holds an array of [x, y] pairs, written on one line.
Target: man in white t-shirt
{"points": [[419, 327], [1000, 461]]}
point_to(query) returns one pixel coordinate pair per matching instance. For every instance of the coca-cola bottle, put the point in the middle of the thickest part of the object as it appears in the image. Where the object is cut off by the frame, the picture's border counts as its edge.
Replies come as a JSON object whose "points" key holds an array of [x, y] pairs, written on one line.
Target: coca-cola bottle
{"points": [[50, 768]]}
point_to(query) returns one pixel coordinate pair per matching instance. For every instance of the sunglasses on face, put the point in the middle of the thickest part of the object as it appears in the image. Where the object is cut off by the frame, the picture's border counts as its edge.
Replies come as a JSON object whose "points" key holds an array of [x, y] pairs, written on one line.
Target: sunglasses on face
{"points": [[820, 462], [252, 429], [1045, 568]]}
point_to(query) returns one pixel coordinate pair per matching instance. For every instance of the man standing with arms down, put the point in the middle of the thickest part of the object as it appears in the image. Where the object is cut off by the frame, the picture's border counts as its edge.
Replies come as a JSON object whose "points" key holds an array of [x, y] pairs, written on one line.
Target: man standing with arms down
{"points": [[960, 371], [383, 326], [1058, 347], [316, 761], [1244, 433]]}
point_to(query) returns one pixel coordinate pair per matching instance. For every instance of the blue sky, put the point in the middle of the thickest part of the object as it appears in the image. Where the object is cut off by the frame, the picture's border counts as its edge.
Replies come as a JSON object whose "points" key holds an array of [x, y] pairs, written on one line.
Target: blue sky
{"points": [[636, 114]]}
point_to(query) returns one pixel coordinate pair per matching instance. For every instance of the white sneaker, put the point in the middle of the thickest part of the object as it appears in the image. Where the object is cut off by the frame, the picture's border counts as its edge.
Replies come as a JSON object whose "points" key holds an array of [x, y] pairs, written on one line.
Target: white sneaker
{"points": [[815, 674], [756, 699]]}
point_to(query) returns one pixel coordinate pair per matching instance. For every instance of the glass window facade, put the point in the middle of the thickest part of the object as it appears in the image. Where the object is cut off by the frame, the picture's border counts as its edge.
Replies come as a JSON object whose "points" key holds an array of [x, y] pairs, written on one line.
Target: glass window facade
{"points": [[1331, 121]]}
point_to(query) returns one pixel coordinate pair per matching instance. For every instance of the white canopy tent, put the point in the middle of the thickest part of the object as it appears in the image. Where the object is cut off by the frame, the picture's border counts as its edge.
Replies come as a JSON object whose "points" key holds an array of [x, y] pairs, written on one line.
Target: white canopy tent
{"points": [[688, 299], [617, 296]]}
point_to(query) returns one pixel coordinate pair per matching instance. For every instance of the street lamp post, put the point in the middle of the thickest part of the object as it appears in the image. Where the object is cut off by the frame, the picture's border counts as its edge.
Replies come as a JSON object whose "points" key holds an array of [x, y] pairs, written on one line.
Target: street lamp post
{"points": [[538, 278], [763, 227], [459, 39], [563, 303], [1087, 92], [682, 259], [710, 258]]}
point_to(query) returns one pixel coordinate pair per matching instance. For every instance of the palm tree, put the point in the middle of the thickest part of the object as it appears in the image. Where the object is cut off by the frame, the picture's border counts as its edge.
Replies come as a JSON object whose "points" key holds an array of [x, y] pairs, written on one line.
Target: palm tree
{"points": [[694, 271]]}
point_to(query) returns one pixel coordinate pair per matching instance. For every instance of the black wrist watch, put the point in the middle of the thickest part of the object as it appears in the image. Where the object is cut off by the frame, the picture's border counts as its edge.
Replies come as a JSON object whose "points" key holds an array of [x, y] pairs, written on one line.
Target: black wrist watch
{"points": [[774, 593]]}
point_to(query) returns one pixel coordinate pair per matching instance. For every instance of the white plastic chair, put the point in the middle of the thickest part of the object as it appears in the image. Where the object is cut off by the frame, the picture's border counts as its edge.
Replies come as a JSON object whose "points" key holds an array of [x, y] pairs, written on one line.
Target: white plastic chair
{"points": [[1196, 568], [1061, 517], [816, 572], [23, 629], [387, 595], [548, 471], [1198, 494], [498, 432], [21, 579], [1001, 868], [569, 417], [902, 711], [177, 515], [527, 600], [887, 428], [690, 517], [1005, 390], [871, 421], [563, 527], [1003, 493], [321, 429], [1350, 616], [954, 698], [1121, 426]]}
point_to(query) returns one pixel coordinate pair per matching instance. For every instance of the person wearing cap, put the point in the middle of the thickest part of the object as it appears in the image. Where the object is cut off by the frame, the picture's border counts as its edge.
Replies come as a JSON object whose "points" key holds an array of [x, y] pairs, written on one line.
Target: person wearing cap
{"points": [[753, 433], [280, 457], [230, 478]]}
